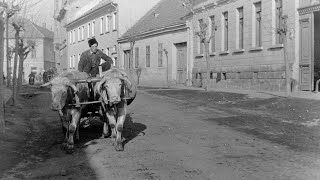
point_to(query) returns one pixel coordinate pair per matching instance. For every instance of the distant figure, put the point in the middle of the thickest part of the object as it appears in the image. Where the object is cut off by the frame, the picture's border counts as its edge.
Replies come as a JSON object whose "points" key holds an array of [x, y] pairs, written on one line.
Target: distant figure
{"points": [[31, 78], [45, 77]]}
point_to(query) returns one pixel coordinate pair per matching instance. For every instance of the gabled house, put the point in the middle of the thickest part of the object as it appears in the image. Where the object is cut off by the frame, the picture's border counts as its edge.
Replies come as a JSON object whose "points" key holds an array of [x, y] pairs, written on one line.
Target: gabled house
{"points": [[105, 20], [41, 58], [159, 41]]}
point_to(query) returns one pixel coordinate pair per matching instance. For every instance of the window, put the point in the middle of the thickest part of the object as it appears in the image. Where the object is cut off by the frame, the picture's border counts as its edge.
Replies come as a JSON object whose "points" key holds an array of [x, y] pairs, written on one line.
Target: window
{"points": [[225, 32], [240, 30], [213, 30], [114, 21], [201, 44], [70, 37], [160, 58], [70, 62], [93, 28], [108, 51], [258, 24], [101, 25], [74, 36], [107, 23], [279, 14], [79, 56], [73, 62], [89, 28], [79, 34], [82, 33], [115, 62], [148, 56], [136, 65], [115, 48], [33, 53]]}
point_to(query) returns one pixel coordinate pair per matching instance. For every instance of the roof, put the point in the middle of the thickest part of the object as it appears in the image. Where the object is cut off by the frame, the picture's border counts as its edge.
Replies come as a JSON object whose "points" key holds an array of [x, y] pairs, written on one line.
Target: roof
{"points": [[86, 8], [166, 13], [31, 30]]}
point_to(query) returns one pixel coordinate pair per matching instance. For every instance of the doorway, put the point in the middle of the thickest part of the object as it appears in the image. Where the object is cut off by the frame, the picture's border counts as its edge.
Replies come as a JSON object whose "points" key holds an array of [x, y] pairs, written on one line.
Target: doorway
{"points": [[316, 51], [181, 62]]}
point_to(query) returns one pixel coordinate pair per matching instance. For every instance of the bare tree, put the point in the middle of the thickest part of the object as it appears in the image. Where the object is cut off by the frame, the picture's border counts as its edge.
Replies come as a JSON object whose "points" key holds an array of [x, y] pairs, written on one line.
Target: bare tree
{"points": [[18, 29], [24, 49], [2, 22], [204, 37]]}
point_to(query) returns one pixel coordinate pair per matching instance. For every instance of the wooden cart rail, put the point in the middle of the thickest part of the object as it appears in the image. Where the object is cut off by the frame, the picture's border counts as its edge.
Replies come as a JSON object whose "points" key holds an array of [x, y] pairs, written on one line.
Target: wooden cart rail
{"points": [[89, 102], [90, 80]]}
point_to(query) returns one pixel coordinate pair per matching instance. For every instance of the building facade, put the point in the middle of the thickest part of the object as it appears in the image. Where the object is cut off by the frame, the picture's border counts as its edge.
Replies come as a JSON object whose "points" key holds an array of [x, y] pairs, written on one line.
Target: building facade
{"points": [[160, 49], [39, 59], [105, 20], [246, 49]]}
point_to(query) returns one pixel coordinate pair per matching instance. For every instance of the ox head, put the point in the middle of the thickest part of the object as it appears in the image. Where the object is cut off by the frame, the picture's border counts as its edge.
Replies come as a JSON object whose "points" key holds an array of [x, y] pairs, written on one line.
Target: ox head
{"points": [[110, 88], [59, 92]]}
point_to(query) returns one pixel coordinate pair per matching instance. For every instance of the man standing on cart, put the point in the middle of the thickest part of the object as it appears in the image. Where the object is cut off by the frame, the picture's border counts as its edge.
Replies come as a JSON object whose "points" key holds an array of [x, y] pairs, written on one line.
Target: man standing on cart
{"points": [[90, 59]]}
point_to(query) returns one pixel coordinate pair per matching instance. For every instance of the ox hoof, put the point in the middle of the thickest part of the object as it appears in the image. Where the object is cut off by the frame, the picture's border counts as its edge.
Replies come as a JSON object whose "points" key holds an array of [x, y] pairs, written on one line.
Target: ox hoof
{"points": [[69, 149], [105, 135], [63, 146], [119, 147]]}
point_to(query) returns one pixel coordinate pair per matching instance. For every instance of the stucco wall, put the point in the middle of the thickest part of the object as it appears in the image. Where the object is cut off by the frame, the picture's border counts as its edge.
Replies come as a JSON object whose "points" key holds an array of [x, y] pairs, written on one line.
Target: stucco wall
{"points": [[154, 75], [260, 69]]}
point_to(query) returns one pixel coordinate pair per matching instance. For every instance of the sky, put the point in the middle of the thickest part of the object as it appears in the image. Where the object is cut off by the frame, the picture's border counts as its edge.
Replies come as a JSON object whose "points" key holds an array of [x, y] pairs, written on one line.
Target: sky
{"points": [[42, 12]]}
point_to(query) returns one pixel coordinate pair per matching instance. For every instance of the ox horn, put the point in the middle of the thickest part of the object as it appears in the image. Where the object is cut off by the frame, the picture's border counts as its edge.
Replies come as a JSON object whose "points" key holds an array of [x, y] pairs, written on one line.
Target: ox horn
{"points": [[126, 81]]}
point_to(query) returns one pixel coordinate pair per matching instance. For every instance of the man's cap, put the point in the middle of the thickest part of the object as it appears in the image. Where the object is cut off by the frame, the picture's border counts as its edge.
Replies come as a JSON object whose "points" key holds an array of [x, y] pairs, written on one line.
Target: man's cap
{"points": [[92, 42]]}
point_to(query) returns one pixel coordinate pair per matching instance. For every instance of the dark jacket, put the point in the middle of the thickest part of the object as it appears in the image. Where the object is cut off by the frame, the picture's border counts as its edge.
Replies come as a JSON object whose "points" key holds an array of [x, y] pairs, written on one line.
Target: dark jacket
{"points": [[90, 62]]}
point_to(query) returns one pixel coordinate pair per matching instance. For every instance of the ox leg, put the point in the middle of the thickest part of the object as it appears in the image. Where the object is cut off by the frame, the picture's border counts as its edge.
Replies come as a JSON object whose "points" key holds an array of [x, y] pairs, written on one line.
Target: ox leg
{"points": [[72, 129], [77, 131], [65, 117], [106, 127], [112, 121], [122, 108]]}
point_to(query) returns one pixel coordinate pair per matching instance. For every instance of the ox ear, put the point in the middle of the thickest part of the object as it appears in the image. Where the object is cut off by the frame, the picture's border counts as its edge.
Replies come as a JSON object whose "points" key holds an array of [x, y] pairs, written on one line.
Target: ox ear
{"points": [[97, 87], [46, 84]]}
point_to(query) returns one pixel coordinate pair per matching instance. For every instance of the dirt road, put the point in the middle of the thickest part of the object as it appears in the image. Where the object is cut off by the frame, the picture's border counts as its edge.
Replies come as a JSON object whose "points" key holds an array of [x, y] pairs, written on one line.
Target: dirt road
{"points": [[169, 135]]}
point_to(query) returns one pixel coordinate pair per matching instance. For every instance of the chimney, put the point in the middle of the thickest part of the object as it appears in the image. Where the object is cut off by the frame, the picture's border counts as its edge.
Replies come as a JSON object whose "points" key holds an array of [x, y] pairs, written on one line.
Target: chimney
{"points": [[44, 25]]}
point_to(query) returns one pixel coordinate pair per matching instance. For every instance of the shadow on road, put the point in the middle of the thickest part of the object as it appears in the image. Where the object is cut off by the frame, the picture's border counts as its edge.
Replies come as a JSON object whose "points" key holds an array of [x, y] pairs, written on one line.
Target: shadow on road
{"points": [[132, 129], [294, 136]]}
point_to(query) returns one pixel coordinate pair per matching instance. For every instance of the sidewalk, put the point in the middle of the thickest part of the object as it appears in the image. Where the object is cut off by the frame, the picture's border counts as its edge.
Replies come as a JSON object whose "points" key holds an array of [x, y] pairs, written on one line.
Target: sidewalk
{"points": [[260, 94]]}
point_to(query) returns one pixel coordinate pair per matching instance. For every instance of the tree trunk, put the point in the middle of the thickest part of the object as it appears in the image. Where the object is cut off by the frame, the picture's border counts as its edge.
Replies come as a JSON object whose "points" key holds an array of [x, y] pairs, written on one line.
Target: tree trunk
{"points": [[14, 80], [7, 54], [2, 120], [206, 51], [20, 72]]}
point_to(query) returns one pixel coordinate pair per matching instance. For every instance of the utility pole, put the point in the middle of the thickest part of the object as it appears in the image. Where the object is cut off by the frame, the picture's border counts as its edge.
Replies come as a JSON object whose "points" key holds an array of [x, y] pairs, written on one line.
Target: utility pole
{"points": [[283, 33]]}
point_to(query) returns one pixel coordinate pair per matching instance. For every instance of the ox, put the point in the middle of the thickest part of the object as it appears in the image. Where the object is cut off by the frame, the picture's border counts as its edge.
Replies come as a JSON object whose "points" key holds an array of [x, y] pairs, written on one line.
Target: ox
{"points": [[112, 89], [65, 92]]}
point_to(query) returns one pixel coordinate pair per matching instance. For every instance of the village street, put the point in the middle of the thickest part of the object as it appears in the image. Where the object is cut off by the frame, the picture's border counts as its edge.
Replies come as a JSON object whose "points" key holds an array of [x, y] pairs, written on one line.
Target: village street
{"points": [[170, 134]]}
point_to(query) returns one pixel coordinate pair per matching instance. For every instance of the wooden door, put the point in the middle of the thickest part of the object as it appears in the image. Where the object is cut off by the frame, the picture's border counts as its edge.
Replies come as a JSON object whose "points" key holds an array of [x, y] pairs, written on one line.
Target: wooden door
{"points": [[181, 63], [305, 55], [126, 59]]}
